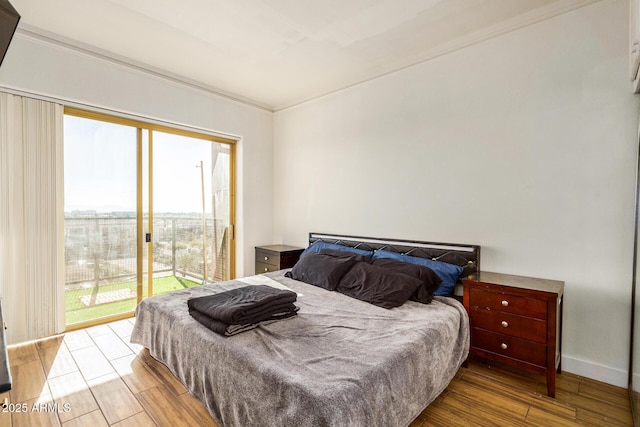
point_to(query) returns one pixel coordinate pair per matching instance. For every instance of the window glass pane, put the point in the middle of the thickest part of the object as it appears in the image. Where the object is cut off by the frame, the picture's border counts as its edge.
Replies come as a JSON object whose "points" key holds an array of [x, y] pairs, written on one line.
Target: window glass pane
{"points": [[100, 222], [191, 208]]}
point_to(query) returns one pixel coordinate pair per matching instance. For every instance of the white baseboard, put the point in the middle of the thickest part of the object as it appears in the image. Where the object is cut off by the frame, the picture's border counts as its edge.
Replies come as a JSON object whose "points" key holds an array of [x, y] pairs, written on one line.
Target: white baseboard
{"points": [[606, 374]]}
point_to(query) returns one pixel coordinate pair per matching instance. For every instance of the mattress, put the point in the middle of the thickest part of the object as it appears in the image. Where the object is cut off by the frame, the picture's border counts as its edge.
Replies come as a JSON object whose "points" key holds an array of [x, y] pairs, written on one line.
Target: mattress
{"points": [[339, 362]]}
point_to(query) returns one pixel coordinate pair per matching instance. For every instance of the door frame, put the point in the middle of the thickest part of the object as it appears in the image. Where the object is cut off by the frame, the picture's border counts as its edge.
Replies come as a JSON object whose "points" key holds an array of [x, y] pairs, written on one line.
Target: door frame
{"points": [[140, 126]]}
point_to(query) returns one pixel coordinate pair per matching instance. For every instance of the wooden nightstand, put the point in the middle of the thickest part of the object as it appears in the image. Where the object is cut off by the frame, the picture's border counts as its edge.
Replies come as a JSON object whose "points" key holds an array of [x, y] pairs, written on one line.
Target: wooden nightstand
{"points": [[516, 320], [276, 257]]}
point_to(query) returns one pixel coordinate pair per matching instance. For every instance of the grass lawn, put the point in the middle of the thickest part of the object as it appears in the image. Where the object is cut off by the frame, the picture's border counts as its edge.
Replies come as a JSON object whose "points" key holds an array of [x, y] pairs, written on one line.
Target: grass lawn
{"points": [[77, 312]]}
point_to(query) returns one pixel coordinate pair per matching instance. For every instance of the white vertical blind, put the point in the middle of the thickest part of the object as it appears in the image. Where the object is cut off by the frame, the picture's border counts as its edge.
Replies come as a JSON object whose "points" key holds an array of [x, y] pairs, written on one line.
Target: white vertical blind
{"points": [[31, 217]]}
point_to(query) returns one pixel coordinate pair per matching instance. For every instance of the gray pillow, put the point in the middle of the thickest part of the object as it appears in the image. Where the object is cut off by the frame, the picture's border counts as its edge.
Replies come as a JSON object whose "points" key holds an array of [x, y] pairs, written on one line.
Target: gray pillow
{"points": [[322, 270], [378, 285], [430, 280]]}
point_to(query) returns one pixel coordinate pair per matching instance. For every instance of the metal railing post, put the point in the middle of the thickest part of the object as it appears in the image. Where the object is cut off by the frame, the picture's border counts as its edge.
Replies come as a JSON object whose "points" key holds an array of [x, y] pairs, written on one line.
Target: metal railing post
{"points": [[173, 245]]}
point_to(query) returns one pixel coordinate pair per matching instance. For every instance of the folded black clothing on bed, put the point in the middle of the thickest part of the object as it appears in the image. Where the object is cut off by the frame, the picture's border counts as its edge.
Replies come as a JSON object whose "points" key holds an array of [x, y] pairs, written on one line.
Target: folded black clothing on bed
{"points": [[270, 312], [245, 305], [229, 330]]}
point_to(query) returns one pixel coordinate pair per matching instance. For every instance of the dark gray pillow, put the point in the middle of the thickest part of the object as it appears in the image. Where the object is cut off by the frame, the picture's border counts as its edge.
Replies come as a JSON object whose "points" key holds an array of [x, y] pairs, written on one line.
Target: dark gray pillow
{"points": [[345, 254], [378, 285], [430, 280], [322, 270]]}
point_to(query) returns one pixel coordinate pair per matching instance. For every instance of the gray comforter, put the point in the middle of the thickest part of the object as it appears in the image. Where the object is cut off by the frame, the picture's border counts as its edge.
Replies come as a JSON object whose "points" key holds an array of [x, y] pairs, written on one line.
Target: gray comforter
{"points": [[339, 362]]}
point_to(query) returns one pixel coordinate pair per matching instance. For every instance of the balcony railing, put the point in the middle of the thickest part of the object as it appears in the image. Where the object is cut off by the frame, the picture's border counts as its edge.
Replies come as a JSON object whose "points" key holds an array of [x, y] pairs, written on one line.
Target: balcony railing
{"points": [[101, 258], [102, 249]]}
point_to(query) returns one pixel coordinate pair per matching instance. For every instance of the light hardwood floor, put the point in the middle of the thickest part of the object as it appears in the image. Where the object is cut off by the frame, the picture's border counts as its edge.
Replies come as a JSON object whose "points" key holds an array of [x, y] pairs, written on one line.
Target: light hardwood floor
{"points": [[97, 378]]}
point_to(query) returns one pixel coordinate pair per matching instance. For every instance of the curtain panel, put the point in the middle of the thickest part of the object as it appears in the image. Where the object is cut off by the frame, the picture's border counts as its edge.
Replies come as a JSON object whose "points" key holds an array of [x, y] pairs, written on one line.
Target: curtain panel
{"points": [[31, 217]]}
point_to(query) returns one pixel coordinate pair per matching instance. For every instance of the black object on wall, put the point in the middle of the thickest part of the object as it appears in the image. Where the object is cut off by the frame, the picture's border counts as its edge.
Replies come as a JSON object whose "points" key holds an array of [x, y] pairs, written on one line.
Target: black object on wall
{"points": [[5, 372], [9, 18]]}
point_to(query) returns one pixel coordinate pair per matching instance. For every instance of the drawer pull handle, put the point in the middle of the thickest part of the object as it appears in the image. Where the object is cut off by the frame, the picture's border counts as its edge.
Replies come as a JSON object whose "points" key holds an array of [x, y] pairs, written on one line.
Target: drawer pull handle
{"points": [[505, 303], [266, 258], [504, 324], [503, 346]]}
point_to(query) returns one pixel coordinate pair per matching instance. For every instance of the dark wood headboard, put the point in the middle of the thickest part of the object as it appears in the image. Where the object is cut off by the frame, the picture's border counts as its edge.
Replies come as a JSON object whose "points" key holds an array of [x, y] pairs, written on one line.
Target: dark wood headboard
{"points": [[466, 256]]}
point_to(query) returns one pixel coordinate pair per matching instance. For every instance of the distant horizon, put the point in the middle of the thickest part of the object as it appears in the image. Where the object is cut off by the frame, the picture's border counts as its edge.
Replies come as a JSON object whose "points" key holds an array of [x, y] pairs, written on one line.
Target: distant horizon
{"points": [[81, 212]]}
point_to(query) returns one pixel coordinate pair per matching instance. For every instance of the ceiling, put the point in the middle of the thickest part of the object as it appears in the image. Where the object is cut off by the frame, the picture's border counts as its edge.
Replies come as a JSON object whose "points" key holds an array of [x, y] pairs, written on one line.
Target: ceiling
{"points": [[278, 53]]}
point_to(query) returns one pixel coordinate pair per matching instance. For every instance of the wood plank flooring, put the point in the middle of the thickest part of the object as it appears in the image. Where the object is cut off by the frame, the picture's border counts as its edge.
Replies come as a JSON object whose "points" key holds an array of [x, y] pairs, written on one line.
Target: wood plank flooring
{"points": [[95, 377]]}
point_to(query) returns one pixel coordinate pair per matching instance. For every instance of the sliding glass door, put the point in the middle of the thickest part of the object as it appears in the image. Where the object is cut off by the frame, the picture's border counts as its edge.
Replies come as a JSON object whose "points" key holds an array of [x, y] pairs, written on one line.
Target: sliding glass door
{"points": [[100, 218], [148, 210], [190, 211]]}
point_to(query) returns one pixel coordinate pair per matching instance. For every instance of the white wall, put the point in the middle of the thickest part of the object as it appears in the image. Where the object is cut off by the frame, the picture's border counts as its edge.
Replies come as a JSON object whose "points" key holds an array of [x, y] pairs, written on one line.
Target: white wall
{"points": [[50, 69], [525, 144]]}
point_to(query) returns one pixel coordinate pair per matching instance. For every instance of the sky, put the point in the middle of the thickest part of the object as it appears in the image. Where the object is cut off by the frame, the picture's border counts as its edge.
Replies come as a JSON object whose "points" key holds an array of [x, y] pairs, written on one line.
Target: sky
{"points": [[100, 169]]}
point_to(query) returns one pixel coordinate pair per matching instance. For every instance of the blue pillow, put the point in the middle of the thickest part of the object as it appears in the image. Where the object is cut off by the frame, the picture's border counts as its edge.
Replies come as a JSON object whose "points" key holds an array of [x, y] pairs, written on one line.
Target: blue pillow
{"points": [[318, 246], [449, 273]]}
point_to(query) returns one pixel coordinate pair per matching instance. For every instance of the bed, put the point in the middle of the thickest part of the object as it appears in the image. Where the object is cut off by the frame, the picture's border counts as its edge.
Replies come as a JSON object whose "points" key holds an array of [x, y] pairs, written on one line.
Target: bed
{"points": [[339, 362]]}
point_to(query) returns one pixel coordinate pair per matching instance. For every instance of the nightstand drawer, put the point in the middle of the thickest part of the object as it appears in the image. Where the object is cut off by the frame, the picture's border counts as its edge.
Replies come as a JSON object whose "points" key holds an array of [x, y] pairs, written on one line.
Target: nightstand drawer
{"points": [[261, 267], [509, 324], [266, 257], [511, 347], [524, 306]]}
